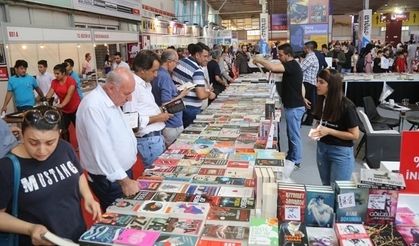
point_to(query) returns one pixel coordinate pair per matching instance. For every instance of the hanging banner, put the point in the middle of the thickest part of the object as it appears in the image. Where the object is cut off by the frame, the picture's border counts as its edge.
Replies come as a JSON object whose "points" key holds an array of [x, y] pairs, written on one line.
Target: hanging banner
{"points": [[409, 161], [308, 20], [264, 26], [365, 22], [279, 22]]}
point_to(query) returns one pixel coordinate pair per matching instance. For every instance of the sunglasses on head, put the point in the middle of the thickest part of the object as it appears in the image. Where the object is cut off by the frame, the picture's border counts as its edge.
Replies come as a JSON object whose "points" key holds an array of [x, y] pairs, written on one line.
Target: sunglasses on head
{"points": [[33, 116]]}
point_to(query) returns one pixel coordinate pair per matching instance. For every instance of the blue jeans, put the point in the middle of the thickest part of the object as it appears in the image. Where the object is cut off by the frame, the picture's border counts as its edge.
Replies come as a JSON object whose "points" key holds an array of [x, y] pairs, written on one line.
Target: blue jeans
{"points": [[105, 190], [293, 118], [334, 162], [150, 148], [189, 115]]}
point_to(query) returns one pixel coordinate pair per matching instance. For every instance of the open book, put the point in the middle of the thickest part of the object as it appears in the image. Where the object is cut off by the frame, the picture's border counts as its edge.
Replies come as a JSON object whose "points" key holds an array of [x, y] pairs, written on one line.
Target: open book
{"points": [[58, 240], [186, 86]]}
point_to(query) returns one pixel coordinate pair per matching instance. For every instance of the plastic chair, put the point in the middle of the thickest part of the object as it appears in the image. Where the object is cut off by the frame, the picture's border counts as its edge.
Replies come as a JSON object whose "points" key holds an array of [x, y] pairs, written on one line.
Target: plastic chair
{"points": [[374, 117]]}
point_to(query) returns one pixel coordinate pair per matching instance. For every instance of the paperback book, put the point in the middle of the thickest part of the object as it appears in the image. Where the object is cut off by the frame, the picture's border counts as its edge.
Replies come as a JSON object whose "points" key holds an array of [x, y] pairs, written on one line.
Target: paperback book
{"points": [[133, 237], [100, 234], [293, 233], [318, 236], [175, 240], [263, 231], [217, 232], [382, 206]]}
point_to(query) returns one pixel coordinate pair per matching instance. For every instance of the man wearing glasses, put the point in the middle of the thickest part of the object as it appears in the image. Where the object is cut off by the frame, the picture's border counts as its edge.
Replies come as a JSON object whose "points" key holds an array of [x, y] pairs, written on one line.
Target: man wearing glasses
{"points": [[164, 91]]}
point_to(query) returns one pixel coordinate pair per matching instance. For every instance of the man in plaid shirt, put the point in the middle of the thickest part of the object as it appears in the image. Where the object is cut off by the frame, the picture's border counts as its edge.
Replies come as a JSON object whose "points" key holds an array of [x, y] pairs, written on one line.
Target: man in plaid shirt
{"points": [[310, 67]]}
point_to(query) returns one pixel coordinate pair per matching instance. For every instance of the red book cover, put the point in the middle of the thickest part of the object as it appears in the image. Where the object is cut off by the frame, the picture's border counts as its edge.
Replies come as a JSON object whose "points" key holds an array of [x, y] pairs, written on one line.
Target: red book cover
{"points": [[382, 206], [238, 164], [211, 171]]}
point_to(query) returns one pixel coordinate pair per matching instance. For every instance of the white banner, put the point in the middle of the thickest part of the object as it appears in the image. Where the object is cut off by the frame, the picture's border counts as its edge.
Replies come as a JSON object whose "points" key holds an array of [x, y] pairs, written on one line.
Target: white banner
{"points": [[264, 26], [101, 36], [364, 32], [129, 9], [30, 34]]}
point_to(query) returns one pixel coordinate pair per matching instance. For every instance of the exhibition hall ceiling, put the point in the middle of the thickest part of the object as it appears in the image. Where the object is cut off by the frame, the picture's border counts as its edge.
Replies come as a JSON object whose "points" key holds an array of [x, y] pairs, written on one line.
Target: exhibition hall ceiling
{"points": [[236, 9]]}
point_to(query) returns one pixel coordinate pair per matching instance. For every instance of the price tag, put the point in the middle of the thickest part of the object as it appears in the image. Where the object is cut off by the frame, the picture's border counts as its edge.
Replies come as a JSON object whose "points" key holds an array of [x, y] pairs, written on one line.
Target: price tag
{"points": [[376, 201], [346, 200], [292, 213]]}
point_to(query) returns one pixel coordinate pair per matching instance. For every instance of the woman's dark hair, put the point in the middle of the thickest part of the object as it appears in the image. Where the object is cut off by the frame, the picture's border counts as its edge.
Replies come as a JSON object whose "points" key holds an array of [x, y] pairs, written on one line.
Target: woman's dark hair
{"points": [[44, 122], [144, 60], [61, 67], [69, 61], [333, 106]]}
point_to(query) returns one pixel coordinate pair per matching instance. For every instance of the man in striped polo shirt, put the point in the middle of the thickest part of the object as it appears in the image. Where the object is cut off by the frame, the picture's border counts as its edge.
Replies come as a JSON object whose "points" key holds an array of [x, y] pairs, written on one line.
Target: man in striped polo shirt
{"points": [[190, 70]]}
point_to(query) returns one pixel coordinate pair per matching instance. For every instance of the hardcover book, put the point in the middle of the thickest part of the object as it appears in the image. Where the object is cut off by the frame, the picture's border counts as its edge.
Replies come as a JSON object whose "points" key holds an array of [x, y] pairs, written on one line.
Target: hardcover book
{"points": [[133, 237], [293, 233], [263, 231], [382, 206], [385, 235], [176, 240], [292, 202], [318, 236], [348, 211], [319, 209], [100, 234]]}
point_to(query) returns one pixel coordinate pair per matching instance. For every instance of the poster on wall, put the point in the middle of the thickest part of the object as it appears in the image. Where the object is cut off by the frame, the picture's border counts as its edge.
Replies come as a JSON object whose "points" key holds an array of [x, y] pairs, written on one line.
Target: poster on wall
{"points": [[279, 22], [4, 75], [133, 50], [409, 161], [145, 42], [308, 20]]}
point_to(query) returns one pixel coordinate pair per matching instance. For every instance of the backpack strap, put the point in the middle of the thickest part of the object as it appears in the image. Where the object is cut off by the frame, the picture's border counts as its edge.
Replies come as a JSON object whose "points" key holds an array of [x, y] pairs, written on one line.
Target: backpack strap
{"points": [[16, 182]]}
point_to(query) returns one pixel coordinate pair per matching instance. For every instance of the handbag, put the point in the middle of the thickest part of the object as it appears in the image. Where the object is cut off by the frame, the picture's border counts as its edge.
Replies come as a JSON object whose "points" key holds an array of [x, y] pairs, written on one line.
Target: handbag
{"points": [[12, 239], [174, 106]]}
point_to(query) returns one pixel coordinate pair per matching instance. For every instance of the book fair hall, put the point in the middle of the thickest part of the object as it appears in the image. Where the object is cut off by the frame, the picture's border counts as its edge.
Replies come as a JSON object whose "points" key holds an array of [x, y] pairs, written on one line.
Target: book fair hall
{"points": [[209, 122]]}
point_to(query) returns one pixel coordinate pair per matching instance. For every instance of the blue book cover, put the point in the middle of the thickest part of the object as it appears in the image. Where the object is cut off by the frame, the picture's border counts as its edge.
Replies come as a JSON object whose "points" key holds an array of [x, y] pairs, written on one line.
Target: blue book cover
{"points": [[319, 208], [101, 234]]}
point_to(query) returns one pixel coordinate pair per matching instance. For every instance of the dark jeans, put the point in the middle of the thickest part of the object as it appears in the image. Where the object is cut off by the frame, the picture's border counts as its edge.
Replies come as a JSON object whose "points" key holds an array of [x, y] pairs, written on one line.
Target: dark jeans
{"points": [[189, 115], [311, 94], [66, 120], [105, 190]]}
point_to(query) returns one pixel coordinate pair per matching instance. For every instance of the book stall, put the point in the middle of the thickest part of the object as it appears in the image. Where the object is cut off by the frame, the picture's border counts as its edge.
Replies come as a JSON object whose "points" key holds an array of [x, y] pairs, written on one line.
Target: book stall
{"points": [[224, 183]]}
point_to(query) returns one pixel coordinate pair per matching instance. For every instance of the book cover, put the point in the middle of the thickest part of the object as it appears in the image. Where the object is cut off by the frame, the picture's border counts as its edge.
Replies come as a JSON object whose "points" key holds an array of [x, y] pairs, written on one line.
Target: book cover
{"points": [[100, 234], [176, 240], [406, 217], [263, 231], [157, 224], [211, 171], [184, 226], [202, 149], [356, 242], [166, 162], [144, 195], [246, 173], [410, 234], [145, 184], [269, 157], [202, 190], [351, 211], [237, 164], [293, 233], [243, 157], [225, 232], [350, 231], [230, 181], [115, 219], [319, 209], [139, 223], [232, 191], [207, 242], [382, 206], [124, 206], [385, 235], [174, 187], [378, 177], [153, 207], [205, 179], [162, 196], [133, 237], [214, 162], [318, 236], [292, 203], [229, 214], [233, 202], [189, 209]]}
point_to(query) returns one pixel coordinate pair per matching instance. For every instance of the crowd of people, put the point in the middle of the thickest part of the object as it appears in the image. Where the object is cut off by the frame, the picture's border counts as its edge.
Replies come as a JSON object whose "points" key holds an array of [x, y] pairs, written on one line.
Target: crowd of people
{"points": [[109, 145]]}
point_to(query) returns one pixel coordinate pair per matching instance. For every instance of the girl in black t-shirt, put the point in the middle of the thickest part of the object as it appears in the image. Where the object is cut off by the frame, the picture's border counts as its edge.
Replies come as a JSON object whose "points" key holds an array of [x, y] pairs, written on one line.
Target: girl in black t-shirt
{"points": [[337, 127], [51, 183]]}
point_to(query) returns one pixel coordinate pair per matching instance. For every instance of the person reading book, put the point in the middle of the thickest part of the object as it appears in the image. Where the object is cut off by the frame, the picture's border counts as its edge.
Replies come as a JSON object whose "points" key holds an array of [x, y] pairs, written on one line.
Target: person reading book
{"points": [[336, 129], [51, 183]]}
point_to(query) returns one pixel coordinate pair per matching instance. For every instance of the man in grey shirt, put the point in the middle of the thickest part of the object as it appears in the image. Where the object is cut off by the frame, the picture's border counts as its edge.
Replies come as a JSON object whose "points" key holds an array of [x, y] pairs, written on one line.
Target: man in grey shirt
{"points": [[7, 139]]}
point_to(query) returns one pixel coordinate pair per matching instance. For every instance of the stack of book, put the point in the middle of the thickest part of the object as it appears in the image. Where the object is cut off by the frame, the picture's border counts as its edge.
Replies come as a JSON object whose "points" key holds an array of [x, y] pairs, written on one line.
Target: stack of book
{"points": [[352, 234], [351, 202]]}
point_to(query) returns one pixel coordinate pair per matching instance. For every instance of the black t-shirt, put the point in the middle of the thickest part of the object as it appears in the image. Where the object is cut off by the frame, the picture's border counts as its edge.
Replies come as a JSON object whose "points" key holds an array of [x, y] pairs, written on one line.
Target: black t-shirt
{"points": [[349, 119], [213, 70], [291, 86], [49, 192], [377, 66]]}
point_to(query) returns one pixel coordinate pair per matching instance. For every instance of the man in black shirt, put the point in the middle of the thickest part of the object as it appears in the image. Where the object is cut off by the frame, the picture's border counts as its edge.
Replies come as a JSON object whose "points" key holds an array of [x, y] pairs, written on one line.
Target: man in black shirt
{"points": [[214, 73], [292, 94]]}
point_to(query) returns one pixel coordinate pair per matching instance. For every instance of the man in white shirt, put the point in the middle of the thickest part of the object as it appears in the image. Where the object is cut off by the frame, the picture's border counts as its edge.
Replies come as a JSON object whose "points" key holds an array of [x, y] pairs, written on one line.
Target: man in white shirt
{"points": [[43, 78], [106, 142], [150, 141], [118, 62], [86, 66]]}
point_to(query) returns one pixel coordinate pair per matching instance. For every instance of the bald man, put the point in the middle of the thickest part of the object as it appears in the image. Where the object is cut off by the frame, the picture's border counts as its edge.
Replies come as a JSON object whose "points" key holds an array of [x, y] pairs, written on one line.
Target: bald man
{"points": [[108, 148]]}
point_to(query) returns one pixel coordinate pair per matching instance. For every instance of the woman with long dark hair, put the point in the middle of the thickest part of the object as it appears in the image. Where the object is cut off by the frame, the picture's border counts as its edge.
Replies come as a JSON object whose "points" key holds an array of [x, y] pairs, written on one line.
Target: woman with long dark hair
{"points": [[337, 127]]}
